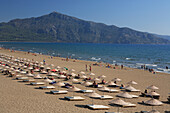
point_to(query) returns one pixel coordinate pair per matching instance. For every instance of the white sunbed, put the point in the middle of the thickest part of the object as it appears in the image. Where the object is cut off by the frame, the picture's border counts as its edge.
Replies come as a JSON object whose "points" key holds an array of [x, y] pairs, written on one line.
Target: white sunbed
{"points": [[127, 104], [106, 97], [75, 98], [29, 80], [97, 107], [59, 92], [135, 96], [47, 87], [86, 91], [113, 91], [37, 83], [22, 78]]}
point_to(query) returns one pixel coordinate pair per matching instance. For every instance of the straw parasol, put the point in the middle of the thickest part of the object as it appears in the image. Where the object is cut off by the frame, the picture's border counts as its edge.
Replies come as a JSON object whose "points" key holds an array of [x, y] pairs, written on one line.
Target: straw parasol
{"points": [[153, 93], [30, 68], [74, 89], [153, 102], [125, 95], [102, 76], [82, 72], [110, 83], [152, 87], [86, 83], [91, 74], [116, 79], [118, 101], [93, 95], [73, 80], [59, 84], [95, 79], [132, 82], [47, 81]]}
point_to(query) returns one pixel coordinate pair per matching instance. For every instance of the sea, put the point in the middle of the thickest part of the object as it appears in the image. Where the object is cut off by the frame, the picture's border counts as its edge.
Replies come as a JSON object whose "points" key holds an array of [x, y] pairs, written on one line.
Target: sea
{"points": [[155, 57]]}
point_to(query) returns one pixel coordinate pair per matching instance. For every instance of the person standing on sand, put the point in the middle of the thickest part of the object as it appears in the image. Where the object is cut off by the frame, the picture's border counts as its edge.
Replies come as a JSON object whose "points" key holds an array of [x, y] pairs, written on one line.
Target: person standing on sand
{"points": [[44, 61], [90, 68], [86, 67]]}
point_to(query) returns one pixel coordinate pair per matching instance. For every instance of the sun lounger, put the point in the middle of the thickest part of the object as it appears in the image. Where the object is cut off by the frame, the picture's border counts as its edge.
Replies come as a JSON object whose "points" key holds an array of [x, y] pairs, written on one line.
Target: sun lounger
{"points": [[106, 97], [135, 96], [22, 78], [126, 105], [75, 98], [37, 83], [97, 107], [29, 80], [47, 87], [113, 91], [59, 92], [86, 91]]}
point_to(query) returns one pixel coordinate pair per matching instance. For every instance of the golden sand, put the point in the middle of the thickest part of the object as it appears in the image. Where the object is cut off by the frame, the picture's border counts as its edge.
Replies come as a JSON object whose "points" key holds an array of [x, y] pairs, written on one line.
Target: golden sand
{"points": [[19, 97]]}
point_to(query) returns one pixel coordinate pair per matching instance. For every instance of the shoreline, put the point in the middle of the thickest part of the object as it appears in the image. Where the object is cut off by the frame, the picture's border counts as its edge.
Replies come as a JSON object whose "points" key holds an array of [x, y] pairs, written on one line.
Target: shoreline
{"points": [[89, 61]]}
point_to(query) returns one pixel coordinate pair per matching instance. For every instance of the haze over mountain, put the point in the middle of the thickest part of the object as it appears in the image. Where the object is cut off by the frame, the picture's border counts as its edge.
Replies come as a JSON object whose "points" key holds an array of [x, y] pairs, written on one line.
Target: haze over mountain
{"points": [[57, 27]]}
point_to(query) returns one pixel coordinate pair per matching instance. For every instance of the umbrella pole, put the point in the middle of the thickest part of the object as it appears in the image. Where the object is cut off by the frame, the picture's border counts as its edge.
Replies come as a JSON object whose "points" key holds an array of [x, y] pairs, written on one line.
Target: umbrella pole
{"points": [[92, 101]]}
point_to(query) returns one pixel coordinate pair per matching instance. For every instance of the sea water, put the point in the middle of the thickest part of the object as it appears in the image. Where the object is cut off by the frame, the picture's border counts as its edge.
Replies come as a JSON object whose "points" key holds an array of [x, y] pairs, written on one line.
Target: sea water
{"points": [[153, 56]]}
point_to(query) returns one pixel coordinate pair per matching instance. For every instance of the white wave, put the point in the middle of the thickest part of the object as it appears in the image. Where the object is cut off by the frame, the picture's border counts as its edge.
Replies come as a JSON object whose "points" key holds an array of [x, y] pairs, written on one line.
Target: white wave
{"points": [[96, 59]]}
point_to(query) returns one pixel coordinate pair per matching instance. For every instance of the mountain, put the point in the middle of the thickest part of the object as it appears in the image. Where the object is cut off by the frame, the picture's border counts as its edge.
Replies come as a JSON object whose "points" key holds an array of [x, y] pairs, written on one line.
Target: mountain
{"points": [[57, 27], [163, 36]]}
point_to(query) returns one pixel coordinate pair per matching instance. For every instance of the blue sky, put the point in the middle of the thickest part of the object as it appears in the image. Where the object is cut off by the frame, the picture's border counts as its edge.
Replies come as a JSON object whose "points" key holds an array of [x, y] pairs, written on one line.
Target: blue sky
{"points": [[144, 15]]}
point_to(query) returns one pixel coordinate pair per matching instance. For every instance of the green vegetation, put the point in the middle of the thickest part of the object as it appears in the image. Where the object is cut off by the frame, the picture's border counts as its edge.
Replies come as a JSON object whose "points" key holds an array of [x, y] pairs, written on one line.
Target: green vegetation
{"points": [[56, 27]]}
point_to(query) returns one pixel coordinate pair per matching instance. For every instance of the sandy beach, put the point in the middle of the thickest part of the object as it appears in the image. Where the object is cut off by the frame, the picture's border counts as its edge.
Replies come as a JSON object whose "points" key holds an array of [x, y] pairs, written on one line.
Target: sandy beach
{"points": [[19, 97]]}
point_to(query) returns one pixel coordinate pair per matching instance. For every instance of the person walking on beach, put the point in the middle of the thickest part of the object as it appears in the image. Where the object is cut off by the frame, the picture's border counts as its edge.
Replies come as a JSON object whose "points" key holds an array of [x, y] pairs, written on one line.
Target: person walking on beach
{"points": [[90, 68], [86, 67], [44, 61]]}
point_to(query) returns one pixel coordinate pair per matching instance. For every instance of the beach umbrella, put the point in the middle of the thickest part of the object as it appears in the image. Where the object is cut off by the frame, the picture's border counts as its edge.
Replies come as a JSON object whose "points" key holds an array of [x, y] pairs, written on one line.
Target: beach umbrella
{"points": [[73, 74], [83, 77], [63, 72], [48, 68], [93, 95], [153, 102], [102, 76], [37, 76], [47, 81], [86, 83], [71, 70], [36, 70], [30, 75], [73, 80], [41, 66], [125, 95], [153, 93], [51, 65], [30, 68], [59, 84], [81, 72], [110, 83], [91, 74], [73, 89], [130, 88], [116, 79], [53, 70], [44, 72], [103, 88], [132, 82], [118, 101], [95, 79], [58, 67], [152, 87]]}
